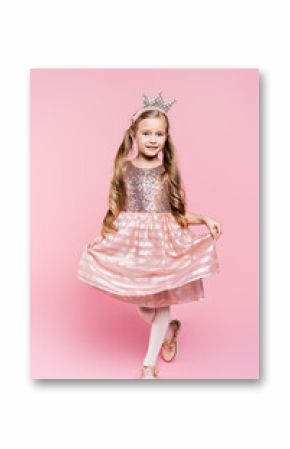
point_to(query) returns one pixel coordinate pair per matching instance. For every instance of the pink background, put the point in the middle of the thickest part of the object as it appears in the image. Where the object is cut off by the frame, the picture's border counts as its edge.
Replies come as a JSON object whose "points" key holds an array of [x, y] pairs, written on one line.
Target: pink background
{"points": [[78, 118]]}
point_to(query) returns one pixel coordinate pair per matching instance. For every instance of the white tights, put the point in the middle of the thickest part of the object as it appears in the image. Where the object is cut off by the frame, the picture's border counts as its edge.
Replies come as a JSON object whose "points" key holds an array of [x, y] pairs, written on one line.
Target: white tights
{"points": [[159, 332]]}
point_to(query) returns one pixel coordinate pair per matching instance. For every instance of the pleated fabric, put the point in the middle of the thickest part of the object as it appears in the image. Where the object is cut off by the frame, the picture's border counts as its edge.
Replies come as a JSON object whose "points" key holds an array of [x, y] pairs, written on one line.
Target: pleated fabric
{"points": [[150, 262]]}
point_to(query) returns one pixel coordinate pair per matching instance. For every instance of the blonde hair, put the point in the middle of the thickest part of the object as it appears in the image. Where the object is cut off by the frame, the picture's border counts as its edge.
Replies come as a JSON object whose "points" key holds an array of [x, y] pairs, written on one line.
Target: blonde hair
{"points": [[117, 193]]}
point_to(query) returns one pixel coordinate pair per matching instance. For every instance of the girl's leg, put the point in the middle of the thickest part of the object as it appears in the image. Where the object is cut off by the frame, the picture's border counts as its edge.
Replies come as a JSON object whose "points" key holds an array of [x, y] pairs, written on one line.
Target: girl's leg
{"points": [[159, 328], [146, 313]]}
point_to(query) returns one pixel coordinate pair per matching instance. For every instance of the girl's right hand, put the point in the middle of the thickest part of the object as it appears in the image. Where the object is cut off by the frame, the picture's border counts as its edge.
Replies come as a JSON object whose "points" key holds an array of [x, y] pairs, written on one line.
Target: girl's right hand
{"points": [[96, 239]]}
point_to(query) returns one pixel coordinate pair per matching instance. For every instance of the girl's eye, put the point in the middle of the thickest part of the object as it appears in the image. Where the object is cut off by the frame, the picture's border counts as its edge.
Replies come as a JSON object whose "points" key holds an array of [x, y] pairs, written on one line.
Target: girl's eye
{"points": [[159, 134]]}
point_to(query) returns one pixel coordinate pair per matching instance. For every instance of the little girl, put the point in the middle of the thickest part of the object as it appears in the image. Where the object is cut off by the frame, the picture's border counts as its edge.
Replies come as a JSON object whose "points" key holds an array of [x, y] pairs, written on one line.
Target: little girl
{"points": [[146, 255]]}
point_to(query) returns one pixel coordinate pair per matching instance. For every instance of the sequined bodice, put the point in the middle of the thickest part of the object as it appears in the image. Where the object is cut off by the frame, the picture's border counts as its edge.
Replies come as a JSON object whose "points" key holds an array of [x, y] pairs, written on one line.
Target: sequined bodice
{"points": [[146, 189]]}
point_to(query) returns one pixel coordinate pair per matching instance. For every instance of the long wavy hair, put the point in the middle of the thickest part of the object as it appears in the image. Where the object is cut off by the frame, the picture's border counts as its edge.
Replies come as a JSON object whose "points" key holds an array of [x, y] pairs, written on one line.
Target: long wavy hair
{"points": [[117, 195]]}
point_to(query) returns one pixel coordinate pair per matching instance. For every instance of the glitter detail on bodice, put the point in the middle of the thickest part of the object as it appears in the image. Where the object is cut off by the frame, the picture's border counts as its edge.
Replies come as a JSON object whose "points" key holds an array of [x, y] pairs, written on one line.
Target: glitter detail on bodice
{"points": [[146, 189]]}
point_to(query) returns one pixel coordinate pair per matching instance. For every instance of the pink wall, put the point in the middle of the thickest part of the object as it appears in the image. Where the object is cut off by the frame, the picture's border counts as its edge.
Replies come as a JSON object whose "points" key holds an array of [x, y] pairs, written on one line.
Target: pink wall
{"points": [[78, 117]]}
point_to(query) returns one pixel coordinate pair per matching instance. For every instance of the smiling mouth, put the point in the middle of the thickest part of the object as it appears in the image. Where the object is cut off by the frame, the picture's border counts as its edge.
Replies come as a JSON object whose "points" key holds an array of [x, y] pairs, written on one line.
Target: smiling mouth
{"points": [[152, 148]]}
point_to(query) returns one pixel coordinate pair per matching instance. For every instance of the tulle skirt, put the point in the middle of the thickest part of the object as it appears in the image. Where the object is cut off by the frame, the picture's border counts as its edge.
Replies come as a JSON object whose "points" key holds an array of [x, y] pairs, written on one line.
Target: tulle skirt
{"points": [[150, 262]]}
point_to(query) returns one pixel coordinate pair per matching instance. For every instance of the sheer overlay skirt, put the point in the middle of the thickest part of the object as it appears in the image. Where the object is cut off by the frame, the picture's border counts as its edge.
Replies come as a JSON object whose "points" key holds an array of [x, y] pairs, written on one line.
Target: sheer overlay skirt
{"points": [[151, 261]]}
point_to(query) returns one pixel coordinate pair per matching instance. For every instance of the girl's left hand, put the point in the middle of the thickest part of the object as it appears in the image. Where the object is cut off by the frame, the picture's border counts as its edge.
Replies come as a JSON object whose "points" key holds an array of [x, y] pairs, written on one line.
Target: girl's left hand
{"points": [[214, 227]]}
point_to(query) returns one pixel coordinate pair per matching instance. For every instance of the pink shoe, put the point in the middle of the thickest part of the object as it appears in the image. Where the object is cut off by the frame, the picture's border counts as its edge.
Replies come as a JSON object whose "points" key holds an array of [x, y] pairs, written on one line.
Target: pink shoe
{"points": [[169, 348], [149, 372]]}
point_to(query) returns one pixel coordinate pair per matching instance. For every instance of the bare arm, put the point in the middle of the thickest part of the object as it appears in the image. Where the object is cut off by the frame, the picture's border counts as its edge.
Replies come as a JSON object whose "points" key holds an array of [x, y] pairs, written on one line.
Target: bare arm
{"points": [[195, 218], [213, 225]]}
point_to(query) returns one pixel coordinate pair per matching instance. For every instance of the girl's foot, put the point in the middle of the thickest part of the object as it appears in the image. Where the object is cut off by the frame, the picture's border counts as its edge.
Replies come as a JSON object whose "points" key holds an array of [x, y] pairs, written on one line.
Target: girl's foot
{"points": [[169, 347], [149, 372]]}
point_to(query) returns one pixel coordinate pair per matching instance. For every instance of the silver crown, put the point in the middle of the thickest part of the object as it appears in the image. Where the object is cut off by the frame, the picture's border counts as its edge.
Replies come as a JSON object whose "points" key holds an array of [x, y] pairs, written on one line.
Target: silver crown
{"points": [[156, 103]]}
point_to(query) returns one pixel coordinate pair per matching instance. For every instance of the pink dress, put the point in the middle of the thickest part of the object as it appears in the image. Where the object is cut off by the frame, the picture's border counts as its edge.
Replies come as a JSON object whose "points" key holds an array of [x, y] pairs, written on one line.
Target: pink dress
{"points": [[151, 261]]}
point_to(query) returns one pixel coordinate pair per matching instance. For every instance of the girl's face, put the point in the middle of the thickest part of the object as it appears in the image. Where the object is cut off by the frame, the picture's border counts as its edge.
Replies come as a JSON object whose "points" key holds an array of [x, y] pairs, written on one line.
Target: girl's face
{"points": [[151, 136]]}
